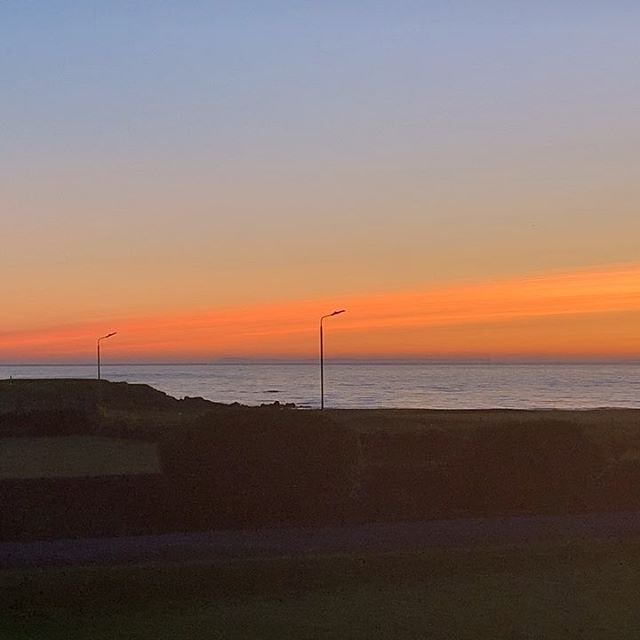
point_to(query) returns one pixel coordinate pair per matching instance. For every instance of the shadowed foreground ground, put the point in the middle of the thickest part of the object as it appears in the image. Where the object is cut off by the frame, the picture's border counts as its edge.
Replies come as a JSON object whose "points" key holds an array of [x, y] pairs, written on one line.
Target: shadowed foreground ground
{"points": [[577, 590]]}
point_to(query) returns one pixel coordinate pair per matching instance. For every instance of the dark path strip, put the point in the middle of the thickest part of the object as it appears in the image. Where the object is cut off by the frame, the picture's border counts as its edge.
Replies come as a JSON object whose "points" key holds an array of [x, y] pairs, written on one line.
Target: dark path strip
{"points": [[261, 543]]}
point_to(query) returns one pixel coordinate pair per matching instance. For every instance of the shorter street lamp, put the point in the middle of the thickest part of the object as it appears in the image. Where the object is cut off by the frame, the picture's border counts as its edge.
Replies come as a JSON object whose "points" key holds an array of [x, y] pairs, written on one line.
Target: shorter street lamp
{"points": [[113, 333], [329, 315]]}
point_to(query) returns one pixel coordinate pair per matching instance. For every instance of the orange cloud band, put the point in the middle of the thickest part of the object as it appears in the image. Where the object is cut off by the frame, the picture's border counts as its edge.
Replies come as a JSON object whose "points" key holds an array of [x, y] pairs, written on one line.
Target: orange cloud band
{"points": [[581, 313]]}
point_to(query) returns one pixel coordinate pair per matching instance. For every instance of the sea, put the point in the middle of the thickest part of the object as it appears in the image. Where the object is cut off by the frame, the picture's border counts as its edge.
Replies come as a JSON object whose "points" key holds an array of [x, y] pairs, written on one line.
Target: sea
{"points": [[442, 385]]}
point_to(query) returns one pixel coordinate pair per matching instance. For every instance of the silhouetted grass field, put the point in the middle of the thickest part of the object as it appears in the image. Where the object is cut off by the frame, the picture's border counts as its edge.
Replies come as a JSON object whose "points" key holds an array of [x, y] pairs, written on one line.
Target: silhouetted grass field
{"points": [[75, 456], [581, 590]]}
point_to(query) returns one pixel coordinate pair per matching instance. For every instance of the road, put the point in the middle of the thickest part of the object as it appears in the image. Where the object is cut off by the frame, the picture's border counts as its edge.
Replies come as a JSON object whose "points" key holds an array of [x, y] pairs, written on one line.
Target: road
{"points": [[260, 543]]}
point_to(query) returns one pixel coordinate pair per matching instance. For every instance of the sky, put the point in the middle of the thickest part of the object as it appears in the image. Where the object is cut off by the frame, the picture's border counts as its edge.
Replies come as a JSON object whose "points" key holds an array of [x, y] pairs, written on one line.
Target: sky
{"points": [[209, 178]]}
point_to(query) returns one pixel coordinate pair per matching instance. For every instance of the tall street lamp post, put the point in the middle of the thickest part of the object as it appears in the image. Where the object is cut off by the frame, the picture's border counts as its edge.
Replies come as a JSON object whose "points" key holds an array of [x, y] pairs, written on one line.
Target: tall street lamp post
{"points": [[113, 333], [329, 315]]}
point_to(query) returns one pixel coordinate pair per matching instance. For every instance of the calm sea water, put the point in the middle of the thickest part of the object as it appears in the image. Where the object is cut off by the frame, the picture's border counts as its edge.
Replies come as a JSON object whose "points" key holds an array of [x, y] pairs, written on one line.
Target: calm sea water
{"points": [[367, 385]]}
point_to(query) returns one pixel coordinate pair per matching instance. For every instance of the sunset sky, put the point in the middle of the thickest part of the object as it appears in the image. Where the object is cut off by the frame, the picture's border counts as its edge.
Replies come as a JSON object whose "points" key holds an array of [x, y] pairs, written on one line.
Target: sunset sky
{"points": [[209, 178]]}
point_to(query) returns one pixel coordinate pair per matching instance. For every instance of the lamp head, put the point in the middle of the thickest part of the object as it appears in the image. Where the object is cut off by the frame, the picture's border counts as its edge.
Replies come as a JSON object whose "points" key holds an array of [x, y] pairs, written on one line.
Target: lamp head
{"points": [[335, 313]]}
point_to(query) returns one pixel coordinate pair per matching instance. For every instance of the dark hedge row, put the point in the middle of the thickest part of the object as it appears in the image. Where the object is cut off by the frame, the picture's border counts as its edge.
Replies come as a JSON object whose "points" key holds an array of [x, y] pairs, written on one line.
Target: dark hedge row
{"points": [[262, 465], [83, 507]]}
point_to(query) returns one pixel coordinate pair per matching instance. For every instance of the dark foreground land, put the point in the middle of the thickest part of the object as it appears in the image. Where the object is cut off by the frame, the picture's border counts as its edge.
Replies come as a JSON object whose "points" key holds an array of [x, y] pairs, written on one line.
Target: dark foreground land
{"points": [[86, 458], [91, 458], [579, 590]]}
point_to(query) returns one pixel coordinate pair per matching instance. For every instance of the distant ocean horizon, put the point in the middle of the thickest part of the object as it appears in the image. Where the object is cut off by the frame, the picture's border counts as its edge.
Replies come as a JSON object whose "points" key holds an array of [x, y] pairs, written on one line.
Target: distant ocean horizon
{"points": [[473, 384]]}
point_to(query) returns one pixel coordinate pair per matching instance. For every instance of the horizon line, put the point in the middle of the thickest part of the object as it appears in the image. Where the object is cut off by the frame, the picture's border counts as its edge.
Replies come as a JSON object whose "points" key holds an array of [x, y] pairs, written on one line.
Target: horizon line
{"points": [[342, 361]]}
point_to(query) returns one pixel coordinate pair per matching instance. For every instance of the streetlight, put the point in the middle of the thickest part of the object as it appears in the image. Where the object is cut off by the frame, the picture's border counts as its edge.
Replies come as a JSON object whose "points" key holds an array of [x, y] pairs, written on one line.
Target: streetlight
{"points": [[329, 315], [113, 333]]}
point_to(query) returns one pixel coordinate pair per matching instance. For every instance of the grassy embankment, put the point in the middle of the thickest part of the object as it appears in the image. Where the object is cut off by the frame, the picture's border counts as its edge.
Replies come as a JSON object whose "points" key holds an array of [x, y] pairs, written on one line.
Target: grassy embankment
{"points": [[75, 456], [83, 428]]}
